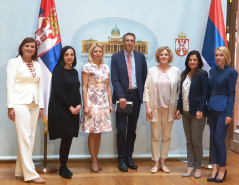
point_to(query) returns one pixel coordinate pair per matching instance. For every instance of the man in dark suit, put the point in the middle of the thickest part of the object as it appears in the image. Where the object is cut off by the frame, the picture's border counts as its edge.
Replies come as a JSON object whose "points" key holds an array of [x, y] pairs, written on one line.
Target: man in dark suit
{"points": [[128, 75]]}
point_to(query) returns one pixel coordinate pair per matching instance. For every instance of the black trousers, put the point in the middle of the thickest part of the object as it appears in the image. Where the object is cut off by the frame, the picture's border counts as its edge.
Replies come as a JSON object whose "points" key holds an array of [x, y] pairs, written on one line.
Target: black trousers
{"points": [[126, 126]]}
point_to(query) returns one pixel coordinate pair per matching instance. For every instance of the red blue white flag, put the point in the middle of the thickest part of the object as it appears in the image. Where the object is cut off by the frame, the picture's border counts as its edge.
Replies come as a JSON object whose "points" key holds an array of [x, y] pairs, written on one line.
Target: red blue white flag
{"points": [[48, 46], [215, 34]]}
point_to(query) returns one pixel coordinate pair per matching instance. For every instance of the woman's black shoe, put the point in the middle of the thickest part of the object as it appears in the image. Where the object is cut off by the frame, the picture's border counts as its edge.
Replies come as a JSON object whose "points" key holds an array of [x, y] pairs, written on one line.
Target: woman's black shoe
{"points": [[211, 179], [217, 180], [65, 173]]}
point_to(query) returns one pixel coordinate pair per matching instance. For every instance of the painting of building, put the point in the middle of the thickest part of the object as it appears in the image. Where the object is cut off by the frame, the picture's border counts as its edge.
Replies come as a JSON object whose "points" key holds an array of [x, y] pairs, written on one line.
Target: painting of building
{"points": [[114, 44]]}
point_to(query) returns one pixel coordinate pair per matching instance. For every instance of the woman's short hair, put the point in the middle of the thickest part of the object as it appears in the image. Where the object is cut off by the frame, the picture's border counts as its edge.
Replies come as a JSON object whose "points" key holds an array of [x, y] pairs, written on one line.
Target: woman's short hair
{"points": [[160, 49], [93, 46], [25, 41], [61, 61], [226, 52]]}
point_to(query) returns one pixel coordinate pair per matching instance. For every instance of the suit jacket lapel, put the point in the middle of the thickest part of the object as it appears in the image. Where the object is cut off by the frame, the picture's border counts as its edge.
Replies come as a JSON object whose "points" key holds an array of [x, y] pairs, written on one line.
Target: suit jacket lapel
{"points": [[193, 79]]}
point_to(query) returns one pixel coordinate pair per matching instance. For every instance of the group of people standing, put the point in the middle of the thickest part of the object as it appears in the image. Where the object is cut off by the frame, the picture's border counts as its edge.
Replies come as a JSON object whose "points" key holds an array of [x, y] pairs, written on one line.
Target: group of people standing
{"points": [[167, 94]]}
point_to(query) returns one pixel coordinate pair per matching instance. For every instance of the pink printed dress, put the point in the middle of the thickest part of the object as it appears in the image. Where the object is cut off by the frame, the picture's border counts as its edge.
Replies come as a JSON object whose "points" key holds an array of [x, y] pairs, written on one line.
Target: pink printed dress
{"points": [[98, 119]]}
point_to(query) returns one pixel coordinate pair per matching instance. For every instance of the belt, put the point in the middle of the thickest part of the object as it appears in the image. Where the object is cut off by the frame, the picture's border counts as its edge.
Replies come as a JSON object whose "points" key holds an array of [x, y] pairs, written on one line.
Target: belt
{"points": [[131, 91], [214, 94]]}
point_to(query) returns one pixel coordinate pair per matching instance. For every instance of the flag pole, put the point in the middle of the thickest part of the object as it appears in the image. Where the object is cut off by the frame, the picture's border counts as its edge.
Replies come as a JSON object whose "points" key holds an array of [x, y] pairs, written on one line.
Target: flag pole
{"points": [[208, 165], [44, 167]]}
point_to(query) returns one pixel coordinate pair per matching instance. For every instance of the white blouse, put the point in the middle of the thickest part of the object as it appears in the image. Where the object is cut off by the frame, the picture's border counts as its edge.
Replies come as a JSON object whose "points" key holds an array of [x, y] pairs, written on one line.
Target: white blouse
{"points": [[185, 93], [163, 90]]}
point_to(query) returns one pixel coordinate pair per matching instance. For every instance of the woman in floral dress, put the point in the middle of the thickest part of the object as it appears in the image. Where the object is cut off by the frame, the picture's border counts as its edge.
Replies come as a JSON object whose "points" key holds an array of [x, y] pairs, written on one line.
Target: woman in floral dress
{"points": [[97, 101]]}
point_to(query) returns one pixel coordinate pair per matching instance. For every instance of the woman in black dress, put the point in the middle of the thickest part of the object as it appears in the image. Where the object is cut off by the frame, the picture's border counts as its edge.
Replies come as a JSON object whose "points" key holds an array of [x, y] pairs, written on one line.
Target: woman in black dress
{"points": [[64, 106]]}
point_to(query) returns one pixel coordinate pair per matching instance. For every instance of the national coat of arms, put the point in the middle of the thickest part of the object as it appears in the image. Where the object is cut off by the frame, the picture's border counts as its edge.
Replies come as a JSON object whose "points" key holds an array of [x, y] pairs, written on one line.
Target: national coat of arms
{"points": [[181, 44], [47, 34]]}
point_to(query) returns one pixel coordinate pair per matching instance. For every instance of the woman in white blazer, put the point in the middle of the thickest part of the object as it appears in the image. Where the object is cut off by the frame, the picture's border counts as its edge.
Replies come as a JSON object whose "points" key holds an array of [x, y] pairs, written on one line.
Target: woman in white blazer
{"points": [[25, 105], [160, 97]]}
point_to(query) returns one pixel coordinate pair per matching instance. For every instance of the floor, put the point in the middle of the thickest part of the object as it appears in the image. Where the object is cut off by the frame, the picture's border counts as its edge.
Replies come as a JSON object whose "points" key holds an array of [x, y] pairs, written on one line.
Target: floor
{"points": [[112, 176]]}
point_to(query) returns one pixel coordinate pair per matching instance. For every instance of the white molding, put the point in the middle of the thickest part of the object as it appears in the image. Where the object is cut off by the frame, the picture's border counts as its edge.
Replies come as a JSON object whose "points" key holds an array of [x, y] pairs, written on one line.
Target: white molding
{"points": [[100, 156]]}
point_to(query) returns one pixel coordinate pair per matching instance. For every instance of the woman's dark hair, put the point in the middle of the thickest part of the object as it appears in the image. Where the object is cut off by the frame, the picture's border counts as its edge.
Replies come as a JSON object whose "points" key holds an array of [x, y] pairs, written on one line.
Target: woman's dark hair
{"points": [[61, 61], [188, 69], [25, 41]]}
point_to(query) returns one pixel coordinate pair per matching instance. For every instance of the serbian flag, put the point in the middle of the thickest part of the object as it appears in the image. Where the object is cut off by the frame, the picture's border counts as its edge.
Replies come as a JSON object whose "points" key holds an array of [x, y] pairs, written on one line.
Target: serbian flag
{"points": [[215, 35], [48, 46]]}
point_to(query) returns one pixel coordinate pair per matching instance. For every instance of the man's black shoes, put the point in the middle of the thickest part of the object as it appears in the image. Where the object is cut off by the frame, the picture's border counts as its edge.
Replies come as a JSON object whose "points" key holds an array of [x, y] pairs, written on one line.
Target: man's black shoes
{"points": [[122, 166], [130, 164]]}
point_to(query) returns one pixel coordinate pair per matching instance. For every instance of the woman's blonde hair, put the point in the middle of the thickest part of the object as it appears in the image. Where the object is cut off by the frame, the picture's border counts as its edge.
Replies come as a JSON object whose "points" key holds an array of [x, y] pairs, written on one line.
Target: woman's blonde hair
{"points": [[91, 52], [226, 52], [160, 49]]}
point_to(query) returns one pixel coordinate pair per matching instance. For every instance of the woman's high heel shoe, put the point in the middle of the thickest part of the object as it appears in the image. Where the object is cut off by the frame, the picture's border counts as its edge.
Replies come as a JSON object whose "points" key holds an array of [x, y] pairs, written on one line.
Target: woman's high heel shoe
{"points": [[198, 176], [217, 180], [95, 171], [212, 179], [188, 174]]}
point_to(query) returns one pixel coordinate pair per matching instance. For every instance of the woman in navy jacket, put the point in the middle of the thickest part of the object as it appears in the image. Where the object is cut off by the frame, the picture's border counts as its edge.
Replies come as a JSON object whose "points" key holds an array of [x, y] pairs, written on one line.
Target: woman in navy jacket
{"points": [[194, 92], [222, 83]]}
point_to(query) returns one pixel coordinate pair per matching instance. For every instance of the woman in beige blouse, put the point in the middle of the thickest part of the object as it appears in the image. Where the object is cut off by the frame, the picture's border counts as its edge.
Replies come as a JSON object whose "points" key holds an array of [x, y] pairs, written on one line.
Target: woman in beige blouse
{"points": [[160, 97]]}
